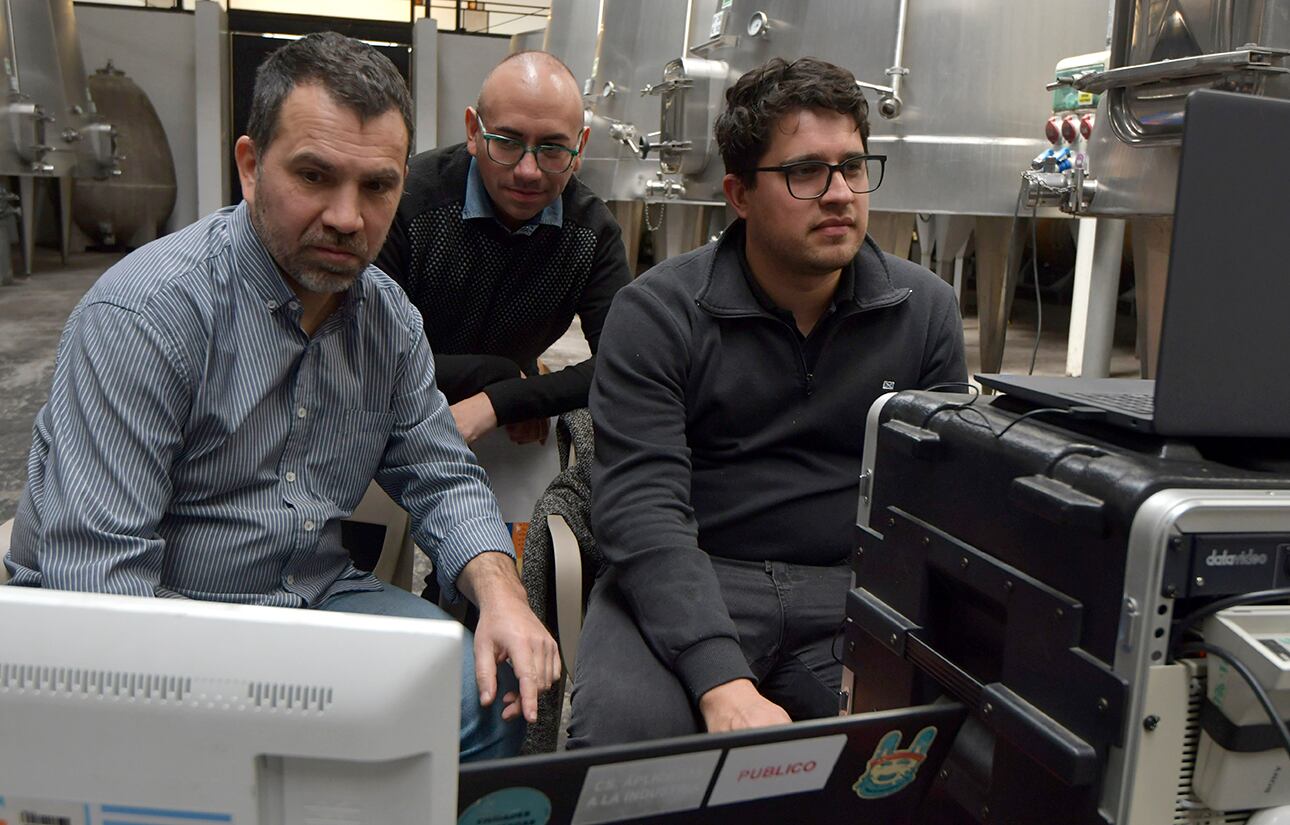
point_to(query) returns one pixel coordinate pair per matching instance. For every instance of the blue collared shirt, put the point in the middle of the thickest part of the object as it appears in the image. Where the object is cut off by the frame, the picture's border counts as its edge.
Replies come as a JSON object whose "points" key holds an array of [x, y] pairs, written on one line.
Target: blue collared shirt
{"points": [[198, 443], [479, 205]]}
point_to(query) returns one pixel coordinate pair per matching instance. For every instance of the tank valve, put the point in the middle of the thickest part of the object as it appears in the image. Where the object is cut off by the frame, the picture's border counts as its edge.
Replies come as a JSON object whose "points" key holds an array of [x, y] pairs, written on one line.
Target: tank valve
{"points": [[624, 133], [1045, 188], [663, 187], [1070, 190]]}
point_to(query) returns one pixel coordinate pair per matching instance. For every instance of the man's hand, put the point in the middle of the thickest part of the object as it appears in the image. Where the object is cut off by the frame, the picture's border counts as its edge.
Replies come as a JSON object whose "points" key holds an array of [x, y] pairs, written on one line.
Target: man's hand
{"points": [[474, 416], [508, 630], [526, 432], [737, 705]]}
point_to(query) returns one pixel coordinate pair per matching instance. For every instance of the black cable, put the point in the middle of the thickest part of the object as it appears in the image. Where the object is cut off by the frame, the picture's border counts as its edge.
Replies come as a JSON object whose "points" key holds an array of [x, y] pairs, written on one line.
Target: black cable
{"points": [[951, 405], [1039, 301], [1070, 450], [1250, 679], [985, 422], [1181, 626], [834, 650], [1014, 422], [1007, 268]]}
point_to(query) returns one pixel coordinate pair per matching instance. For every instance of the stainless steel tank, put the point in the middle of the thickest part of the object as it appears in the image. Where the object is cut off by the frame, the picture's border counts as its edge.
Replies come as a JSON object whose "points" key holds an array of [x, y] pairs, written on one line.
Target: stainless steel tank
{"points": [[51, 129], [612, 164], [958, 104], [957, 88], [132, 207], [1160, 51], [571, 33]]}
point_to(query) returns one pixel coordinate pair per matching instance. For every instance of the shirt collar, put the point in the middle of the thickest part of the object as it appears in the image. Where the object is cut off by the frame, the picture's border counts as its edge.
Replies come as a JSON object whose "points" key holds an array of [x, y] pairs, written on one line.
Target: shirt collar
{"points": [[845, 290], [262, 273], [479, 205], [728, 290]]}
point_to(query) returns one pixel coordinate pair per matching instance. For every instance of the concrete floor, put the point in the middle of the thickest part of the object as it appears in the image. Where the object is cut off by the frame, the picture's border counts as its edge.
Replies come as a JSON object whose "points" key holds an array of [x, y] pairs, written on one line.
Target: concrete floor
{"points": [[33, 311]]}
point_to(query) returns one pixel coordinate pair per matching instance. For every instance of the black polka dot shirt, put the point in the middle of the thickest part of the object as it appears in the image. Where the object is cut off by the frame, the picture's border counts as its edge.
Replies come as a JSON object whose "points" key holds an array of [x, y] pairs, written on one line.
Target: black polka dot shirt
{"points": [[493, 300]]}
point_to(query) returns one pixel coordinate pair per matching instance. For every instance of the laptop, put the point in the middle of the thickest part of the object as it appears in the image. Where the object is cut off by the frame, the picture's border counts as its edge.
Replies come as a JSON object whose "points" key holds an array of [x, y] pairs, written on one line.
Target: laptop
{"points": [[872, 767], [1225, 337]]}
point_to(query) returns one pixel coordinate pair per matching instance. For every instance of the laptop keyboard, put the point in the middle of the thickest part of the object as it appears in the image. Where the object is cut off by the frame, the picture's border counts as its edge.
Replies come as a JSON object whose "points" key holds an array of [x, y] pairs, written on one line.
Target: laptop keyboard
{"points": [[1140, 404]]}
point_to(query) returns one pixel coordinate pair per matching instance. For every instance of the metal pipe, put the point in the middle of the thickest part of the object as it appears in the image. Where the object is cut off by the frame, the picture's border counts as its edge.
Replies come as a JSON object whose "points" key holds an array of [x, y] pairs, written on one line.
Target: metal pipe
{"points": [[1121, 33], [902, 19], [15, 82], [890, 106], [689, 18]]}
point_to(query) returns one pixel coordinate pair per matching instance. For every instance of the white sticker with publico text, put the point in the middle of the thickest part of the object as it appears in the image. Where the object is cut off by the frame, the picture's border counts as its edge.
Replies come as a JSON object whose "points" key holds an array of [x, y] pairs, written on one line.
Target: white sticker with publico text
{"points": [[778, 769], [644, 787]]}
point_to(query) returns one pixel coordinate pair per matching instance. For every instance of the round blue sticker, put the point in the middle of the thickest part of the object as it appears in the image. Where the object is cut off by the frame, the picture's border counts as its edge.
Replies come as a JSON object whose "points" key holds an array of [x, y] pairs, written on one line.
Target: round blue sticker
{"points": [[510, 806]]}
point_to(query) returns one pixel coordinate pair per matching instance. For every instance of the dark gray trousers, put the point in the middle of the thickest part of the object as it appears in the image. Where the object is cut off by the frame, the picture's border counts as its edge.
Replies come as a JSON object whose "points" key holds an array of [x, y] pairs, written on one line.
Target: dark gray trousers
{"points": [[789, 618]]}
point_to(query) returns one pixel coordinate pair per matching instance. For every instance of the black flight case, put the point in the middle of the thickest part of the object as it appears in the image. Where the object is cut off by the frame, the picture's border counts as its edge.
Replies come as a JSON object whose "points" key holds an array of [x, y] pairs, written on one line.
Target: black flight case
{"points": [[1033, 574]]}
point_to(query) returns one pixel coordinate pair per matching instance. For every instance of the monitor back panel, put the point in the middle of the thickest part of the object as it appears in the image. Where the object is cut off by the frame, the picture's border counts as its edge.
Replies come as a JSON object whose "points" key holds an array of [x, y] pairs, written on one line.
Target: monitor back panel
{"points": [[1225, 345]]}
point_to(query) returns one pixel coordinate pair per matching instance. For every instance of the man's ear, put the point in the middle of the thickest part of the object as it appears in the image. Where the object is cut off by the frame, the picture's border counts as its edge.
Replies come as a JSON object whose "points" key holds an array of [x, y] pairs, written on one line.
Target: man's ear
{"points": [[582, 144], [248, 162], [472, 129], [736, 194]]}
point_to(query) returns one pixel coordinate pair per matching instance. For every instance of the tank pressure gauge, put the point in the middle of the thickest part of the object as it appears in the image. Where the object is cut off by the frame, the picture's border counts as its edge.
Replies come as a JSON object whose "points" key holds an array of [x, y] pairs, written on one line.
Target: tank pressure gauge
{"points": [[758, 25]]}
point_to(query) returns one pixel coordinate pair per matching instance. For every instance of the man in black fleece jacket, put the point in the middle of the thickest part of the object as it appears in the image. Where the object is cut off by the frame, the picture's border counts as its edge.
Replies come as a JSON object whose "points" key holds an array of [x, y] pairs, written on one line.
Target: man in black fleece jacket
{"points": [[729, 403], [498, 245]]}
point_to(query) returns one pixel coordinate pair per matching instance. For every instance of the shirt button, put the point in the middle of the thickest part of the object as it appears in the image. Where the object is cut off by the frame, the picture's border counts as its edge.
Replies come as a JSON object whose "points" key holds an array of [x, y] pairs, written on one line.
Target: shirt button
{"points": [[291, 579], [309, 526], [271, 304], [301, 412], [291, 476]]}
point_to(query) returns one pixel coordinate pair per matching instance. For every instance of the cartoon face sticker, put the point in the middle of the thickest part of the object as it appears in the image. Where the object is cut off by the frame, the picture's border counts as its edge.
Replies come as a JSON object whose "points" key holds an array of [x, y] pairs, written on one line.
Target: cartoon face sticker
{"points": [[890, 769]]}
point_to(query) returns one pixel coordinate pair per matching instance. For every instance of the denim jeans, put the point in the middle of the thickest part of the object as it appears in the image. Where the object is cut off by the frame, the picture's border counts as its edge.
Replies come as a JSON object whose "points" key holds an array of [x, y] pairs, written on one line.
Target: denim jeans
{"points": [[483, 733], [788, 617]]}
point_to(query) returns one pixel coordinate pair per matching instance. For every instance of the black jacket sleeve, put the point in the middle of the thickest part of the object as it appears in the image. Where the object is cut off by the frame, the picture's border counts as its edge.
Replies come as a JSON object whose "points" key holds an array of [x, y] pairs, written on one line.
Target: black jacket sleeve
{"points": [[641, 512], [542, 396], [944, 362], [461, 376]]}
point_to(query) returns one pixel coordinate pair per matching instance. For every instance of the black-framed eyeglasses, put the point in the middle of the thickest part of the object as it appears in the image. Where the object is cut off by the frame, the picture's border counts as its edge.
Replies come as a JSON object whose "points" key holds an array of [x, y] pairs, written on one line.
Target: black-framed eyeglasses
{"points": [[810, 179], [551, 157]]}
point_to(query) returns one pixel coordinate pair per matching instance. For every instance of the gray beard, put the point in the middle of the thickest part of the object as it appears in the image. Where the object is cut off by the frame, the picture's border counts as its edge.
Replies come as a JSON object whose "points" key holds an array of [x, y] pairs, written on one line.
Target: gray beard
{"points": [[316, 278], [321, 280]]}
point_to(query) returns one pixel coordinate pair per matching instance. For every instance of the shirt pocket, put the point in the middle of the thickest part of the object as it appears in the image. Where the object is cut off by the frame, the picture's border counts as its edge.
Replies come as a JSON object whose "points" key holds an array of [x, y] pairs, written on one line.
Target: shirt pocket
{"points": [[356, 441]]}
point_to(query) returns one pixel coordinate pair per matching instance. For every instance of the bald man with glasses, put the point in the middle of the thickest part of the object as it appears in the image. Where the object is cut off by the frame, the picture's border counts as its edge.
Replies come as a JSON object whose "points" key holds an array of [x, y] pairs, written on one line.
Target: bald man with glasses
{"points": [[499, 246]]}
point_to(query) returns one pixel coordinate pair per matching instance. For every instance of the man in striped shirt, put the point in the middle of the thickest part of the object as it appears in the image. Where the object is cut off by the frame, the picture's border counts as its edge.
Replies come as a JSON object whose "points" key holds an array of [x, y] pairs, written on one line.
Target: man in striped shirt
{"points": [[223, 396]]}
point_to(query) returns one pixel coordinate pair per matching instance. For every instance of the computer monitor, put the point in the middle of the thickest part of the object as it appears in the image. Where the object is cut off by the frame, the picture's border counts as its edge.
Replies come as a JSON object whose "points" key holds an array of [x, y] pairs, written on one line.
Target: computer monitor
{"points": [[130, 710]]}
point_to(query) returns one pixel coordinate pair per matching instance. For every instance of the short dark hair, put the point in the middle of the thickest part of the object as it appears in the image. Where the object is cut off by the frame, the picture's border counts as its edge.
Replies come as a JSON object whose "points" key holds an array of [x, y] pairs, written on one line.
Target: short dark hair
{"points": [[763, 95], [356, 75]]}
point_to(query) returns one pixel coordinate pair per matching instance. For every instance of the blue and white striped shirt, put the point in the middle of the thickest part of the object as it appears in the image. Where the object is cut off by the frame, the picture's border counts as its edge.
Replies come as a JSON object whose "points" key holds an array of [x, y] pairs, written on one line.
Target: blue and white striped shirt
{"points": [[197, 443]]}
